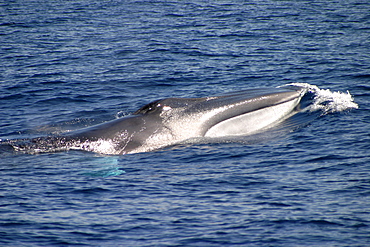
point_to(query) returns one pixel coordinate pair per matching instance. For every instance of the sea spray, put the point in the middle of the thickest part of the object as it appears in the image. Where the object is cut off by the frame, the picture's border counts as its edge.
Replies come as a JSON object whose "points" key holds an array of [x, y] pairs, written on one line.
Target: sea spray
{"points": [[326, 100]]}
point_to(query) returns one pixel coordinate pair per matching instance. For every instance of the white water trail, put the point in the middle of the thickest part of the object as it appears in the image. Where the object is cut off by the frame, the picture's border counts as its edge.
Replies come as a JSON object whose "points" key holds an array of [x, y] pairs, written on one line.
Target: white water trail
{"points": [[326, 100]]}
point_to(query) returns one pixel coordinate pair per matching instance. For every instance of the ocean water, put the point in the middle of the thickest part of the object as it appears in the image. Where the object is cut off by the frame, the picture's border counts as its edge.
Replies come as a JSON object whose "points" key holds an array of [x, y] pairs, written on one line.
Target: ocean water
{"points": [[66, 65]]}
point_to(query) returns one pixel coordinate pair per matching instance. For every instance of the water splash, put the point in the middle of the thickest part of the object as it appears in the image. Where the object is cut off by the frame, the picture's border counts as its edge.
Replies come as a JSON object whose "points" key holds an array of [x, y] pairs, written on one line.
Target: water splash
{"points": [[326, 100]]}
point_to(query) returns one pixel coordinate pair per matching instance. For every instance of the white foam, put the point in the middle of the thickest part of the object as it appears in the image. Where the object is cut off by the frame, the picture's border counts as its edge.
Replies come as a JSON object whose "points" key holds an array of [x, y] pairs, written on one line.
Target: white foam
{"points": [[328, 101]]}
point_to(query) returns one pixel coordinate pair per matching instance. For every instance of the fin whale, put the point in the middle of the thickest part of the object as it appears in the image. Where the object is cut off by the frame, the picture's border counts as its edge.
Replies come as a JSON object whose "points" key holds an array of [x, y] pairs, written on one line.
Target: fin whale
{"points": [[169, 121]]}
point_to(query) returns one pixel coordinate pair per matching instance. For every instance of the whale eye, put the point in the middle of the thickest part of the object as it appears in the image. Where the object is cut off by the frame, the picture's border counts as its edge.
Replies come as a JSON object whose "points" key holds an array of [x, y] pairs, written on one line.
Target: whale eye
{"points": [[151, 107]]}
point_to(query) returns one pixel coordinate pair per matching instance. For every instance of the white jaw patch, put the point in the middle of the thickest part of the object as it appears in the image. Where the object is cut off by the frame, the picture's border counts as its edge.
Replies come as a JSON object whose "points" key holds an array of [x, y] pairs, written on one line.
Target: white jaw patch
{"points": [[253, 121]]}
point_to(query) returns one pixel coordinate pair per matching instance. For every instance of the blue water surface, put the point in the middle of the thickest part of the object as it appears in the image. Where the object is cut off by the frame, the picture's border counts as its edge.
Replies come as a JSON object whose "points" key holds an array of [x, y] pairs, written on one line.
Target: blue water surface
{"points": [[71, 64]]}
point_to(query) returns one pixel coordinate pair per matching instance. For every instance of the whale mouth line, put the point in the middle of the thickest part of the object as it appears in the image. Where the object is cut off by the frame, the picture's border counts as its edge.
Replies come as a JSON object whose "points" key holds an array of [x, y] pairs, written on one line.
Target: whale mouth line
{"points": [[254, 121], [256, 109]]}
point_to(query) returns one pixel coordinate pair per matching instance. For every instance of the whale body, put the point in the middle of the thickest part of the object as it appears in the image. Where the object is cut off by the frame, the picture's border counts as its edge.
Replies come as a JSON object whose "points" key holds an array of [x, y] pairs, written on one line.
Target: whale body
{"points": [[170, 121]]}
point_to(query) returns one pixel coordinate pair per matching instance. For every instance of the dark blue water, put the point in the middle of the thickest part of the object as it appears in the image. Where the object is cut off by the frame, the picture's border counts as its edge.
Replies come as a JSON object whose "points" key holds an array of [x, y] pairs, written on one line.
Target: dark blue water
{"points": [[71, 64]]}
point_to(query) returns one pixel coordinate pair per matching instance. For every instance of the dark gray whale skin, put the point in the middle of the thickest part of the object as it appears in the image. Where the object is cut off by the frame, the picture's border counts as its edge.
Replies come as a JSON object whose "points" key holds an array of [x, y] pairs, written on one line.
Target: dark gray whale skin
{"points": [[169, 121]]}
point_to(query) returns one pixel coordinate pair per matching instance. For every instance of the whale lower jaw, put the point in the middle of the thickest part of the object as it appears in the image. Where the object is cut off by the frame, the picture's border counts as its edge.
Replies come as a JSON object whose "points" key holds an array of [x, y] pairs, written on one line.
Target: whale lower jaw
{"points": [[254, 121]]}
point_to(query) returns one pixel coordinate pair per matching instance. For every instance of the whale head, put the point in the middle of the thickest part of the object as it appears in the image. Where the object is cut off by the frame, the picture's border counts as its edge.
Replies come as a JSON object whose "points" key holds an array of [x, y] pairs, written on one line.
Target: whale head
{"points": [[172, 120]]}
